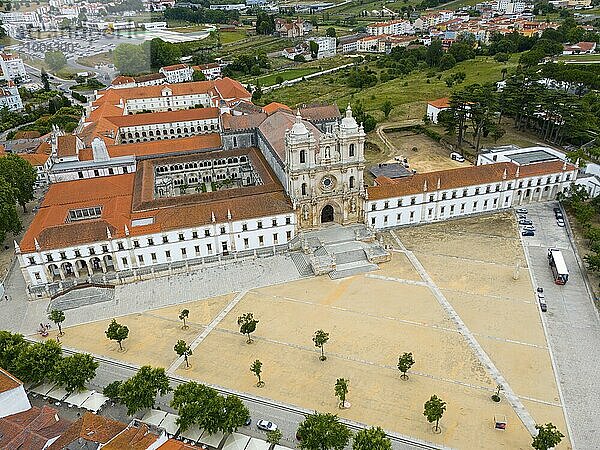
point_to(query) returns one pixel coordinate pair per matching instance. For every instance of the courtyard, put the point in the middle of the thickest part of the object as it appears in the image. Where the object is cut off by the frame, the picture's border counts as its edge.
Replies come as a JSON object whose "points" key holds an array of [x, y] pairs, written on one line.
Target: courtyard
{"points": [[372, 319]]}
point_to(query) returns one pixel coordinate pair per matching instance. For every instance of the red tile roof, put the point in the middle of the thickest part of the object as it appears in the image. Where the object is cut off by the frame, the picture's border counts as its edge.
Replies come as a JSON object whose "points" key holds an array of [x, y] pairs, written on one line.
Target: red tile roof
{"points": [[175, 67], [90, 427], [8, 382], [133, 438], [132, 120], [459, 177], [440, 102], [31, 429], [230, 89], [67, 146], [274, 106]]}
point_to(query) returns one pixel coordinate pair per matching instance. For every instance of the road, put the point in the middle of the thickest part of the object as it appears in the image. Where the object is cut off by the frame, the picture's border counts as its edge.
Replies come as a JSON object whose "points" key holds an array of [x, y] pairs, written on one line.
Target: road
{"points": [[287, 417], [572, 325]]}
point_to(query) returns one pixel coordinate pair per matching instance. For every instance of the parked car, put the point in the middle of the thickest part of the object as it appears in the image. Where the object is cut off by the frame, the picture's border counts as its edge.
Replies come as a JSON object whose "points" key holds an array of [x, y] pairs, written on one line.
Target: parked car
{"points": [[266, 425], [560, 222], [540, 289], [522, 217], [540, 295], [543, 305], [527, 233], [529, 228], [556, 211], [248, 421], [457, 157], [522, 211], [559, 215], [525, 222]]}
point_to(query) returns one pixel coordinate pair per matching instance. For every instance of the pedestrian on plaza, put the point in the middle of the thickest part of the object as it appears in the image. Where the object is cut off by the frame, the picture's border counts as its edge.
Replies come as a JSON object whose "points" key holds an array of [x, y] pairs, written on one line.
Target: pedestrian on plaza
{"points": [[6, 297]]}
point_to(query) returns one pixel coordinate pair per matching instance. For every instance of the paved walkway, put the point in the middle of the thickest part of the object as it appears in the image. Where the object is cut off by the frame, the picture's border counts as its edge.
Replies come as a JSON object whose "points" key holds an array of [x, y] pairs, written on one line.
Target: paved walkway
{"points": [[483, 357]]}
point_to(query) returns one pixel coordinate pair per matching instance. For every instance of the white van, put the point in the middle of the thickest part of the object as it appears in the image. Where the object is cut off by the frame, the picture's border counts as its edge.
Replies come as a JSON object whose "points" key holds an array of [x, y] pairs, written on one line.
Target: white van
{"points": [[457, 157]]}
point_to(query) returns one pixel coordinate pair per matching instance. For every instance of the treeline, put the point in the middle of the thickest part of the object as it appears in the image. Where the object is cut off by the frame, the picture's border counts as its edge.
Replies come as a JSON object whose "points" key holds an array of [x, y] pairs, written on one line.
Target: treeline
{"points": [[43, 361], [247, 65], [201, 15]]}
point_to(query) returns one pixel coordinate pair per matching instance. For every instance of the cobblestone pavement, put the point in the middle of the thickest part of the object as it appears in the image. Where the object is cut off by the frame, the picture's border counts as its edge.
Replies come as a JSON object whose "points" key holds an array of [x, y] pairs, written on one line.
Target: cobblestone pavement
{"points": [[572, 326]]}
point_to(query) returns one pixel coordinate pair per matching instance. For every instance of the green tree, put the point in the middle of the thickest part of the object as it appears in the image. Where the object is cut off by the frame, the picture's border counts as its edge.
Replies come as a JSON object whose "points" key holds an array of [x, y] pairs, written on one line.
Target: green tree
{"points": [[182, 349], [434, 410], [256, 369], [140, 391], [45, 80], [117, 332], [323, 432], [131, 59], [162, 53], [434, 54], [279, 79], [55, 59], [247, 324], [330, 32], [273, 437], [405, 362], [299, 58], [9, 217], [548, 437], [113, 391], [11, 346], [21, 175], [36, 362], [320, 339], [314, 49], [58, 317], [198, 76], [386, 108], [197, 404], [501, 57], [183, 315], [371, 439], [447, 61], [235, 414], [74, 371], [341, 390]]}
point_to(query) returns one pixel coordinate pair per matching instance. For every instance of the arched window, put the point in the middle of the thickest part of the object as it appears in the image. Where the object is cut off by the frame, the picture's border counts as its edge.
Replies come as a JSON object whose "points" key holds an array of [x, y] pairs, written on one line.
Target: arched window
{"points": [[234, 141], [351, 150], [351, 182], [327, 152], [303, 188], [302, 156]]}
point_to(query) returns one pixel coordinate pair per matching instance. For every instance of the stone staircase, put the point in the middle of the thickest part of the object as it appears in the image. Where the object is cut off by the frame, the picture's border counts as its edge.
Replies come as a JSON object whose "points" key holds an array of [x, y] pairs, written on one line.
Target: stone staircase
{"points": [[82, 297], [351, 262], [302, 264]]}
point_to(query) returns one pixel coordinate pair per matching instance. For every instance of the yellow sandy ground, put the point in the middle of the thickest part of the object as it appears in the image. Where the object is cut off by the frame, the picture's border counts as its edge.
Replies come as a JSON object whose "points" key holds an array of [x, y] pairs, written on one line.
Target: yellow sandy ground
{"points": [[371, 320]]}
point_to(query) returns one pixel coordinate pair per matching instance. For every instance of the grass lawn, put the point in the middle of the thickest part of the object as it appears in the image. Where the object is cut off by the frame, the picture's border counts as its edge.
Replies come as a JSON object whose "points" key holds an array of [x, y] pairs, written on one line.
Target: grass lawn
{"points": [[408, 95], [228, 37], [99, 58]]}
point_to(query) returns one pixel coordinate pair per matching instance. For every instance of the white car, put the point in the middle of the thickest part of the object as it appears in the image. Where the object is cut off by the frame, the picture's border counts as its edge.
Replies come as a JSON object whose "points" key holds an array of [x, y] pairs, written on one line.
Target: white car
{"points": [[529, 228], [560, 222], [457, 157], [522, 211], [266, 425]]}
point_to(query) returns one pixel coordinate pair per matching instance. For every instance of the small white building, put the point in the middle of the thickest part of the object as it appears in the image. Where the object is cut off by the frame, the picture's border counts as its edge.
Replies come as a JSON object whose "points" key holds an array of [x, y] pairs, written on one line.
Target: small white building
{"points": [[13, 398], [435, 107], [589, 178], [177, 73], [518, 155], [10, 97], [12, 68], [154, 25], [210, 70]]}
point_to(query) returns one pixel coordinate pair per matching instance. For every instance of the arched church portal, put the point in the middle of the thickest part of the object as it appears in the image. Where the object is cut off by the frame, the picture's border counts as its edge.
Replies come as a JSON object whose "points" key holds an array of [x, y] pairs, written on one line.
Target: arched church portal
{"points": [[327, 214]]}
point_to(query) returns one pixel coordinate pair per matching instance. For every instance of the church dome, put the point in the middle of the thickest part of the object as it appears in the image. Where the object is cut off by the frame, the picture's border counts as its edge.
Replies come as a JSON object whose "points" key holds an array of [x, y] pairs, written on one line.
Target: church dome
{"points": [[299, 129]]}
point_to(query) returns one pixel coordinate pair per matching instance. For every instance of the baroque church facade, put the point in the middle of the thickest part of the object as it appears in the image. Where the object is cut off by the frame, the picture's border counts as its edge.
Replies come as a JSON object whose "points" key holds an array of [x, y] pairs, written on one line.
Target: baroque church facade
{"points": [[317, 156]]}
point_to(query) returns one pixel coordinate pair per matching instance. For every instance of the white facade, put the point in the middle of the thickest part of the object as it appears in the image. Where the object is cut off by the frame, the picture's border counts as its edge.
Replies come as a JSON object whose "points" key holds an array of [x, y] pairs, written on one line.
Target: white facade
{"points": [[132, 252], [13, 401], [13, 68], [589, 178], [393, 27], [210, 71], [167, 102], [168, 130], [442, 204], [433, 111], [509, 153], [10, 98], [327, 46], [179, 73]]}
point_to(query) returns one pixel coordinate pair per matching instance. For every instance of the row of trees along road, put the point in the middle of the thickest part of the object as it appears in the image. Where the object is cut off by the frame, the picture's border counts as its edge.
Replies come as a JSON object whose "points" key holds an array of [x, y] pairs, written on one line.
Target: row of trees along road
{"points": [[43, 361]]}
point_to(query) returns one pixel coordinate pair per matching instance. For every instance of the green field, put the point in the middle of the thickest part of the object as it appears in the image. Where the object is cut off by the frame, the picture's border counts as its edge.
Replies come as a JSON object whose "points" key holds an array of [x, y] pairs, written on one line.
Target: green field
{"points": [[290, 74], [408, 94], [227, 37]]}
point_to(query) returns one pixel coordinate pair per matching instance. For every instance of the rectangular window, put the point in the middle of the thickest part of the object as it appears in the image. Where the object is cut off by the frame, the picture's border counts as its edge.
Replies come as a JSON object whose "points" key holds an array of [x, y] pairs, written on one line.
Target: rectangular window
{"points": [[168, 254], [37, 276], [181, 237], [476, 191], [398, 217], [443, 196], [136, 244], [84, 213], [125, 262], [288, 235], [274, 222], [487, 189], [386, 205], [373, 206], [412, 215], [442, 210], [153, 256], [430, 197], [244, 227], [105, 249], [245, 242], [49, 257], [453, 194], [497, 188], [92, 250], [206, 233], [474, 206], [451, 209], [385, 220], [120, 246], [462, 207], [413, 200], [495, 202], [568, 177], [183, 252], [275, 238], [63, 255], [485, 204], [165, 239], [261, 241], [288, 220], [509, 185], [430, 212], [77, 254], [194, 235], [209, 248], [125, 169], [465, 192], [222, 230], [96, 173], [111, 171], [259, 224], [80, 174], [373, 221], [150, 241], [399, 203], [31, 260], [197, 249], [141, 259]]}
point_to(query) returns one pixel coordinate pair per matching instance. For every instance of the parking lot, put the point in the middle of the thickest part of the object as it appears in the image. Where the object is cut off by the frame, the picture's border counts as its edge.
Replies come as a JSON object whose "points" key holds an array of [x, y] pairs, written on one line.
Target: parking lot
{"points": [[571, 323]]}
